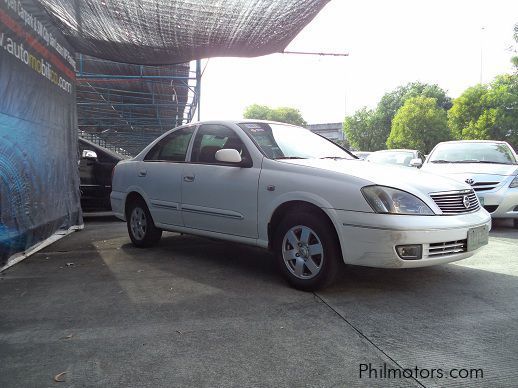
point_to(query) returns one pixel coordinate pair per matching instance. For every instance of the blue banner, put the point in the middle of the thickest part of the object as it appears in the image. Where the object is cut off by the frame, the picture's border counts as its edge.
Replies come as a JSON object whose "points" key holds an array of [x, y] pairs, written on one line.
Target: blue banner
{"points": [[39, 182]]}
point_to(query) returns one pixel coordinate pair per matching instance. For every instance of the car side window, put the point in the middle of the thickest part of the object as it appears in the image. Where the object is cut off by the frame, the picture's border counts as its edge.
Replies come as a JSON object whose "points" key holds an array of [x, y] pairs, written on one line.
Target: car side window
{"points": [[213, 137], [172, 148]]}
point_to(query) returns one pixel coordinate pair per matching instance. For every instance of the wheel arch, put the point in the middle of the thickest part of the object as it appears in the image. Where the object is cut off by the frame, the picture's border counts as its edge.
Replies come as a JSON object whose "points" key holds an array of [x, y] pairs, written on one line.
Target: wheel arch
{"points": [[298, 205], [131, 197]]}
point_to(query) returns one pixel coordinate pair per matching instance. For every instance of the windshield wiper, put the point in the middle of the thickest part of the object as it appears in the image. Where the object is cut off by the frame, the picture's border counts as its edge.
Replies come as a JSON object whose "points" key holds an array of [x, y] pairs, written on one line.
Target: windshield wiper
{"points": [[480, 161], [290, 157], [334, 157], [440, 161], [492, 162]]}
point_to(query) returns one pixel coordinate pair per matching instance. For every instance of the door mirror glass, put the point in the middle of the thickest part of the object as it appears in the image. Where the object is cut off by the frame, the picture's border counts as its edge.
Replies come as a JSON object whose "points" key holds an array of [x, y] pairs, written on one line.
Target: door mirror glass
{"points": [[417, 162], [228, 155], [89, 154]]}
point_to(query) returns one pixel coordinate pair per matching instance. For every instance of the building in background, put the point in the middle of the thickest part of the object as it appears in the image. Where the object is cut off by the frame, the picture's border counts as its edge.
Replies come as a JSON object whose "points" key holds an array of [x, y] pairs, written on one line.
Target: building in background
{"points": [[331, 131]]}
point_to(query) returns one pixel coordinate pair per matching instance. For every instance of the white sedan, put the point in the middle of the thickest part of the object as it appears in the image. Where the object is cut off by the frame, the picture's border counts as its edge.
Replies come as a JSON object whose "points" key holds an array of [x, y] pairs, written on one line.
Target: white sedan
{"points": [[284, 188], [490, 167]]}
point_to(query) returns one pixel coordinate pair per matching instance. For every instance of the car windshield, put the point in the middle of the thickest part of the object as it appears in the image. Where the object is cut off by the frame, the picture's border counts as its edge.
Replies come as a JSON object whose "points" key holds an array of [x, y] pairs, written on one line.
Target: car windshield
{"points": [[279, 141], [401, 158], [498, 153]]}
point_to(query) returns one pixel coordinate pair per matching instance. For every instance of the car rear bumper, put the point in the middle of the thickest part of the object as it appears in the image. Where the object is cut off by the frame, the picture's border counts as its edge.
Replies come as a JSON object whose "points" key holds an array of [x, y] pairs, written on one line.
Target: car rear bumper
{"points": [[371, 239], [117, 203]]}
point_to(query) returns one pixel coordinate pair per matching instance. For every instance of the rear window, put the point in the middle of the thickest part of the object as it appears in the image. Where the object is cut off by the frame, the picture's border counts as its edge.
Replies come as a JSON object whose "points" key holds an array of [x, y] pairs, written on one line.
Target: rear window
{"points": [[172, 148]]}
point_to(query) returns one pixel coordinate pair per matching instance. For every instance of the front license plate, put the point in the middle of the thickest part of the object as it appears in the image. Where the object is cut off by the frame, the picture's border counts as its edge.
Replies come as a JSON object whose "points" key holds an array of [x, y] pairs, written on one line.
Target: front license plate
{"points": [[477, 237]]}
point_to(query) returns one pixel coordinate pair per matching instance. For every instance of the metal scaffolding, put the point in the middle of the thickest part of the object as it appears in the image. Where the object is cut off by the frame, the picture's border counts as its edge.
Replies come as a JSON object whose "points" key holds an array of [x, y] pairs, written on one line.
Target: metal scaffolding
{"points": [[124, 107]]}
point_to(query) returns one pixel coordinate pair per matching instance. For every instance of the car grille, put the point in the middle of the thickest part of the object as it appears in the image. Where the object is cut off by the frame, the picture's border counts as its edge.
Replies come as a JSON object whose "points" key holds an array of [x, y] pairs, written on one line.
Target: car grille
{"points": [[452, 202], [447, 248], [484, 186]]}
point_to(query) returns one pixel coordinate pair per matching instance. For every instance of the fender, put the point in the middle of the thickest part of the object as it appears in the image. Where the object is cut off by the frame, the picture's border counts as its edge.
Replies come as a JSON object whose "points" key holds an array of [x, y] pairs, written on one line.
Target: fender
{"points": [[312, 198]]}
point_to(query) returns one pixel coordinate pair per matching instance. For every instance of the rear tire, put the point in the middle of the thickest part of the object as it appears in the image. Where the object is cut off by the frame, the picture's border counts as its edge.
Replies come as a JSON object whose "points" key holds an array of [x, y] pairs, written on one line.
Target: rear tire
{"points": [[141, 228], [307, 250]]}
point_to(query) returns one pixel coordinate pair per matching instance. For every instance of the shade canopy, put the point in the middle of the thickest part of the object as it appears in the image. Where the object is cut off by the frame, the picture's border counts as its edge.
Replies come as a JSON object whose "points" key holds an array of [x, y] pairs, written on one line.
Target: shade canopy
{"points": [[158, 32]]}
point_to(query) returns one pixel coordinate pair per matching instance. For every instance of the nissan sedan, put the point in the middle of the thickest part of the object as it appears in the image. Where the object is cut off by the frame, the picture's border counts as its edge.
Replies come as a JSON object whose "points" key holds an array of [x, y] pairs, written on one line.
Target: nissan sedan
{"points": [[284, 188]]}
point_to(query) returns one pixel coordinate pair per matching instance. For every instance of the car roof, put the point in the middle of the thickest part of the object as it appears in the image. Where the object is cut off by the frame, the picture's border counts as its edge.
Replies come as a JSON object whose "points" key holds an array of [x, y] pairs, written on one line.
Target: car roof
{"points": [[474, 141], [240, 121], [397, 150]]}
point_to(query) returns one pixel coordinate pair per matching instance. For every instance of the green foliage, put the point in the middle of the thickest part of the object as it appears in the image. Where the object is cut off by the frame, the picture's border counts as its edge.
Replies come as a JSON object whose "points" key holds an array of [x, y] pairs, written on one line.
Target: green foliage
{"points": [[368, 130], [364, 131], [281, 114], [258, 112], [487, 111], [391, 102], [419, 124]]}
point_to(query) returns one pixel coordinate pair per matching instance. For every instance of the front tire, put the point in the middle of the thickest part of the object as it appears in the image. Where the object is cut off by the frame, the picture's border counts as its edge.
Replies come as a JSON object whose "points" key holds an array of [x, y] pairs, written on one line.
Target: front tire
{"points": [[307, 250], [141, 228]]}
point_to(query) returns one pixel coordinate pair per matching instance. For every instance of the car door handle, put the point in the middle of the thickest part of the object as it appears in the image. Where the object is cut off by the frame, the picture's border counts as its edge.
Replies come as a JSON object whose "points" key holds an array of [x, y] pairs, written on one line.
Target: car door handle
{"points": [[142, 173], [188, 178]]}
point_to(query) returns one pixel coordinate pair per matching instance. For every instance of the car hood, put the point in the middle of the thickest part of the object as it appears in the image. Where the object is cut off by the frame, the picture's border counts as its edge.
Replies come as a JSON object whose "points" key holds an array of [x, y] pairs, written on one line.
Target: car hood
{"points": [[453, 169], [409, 179]]}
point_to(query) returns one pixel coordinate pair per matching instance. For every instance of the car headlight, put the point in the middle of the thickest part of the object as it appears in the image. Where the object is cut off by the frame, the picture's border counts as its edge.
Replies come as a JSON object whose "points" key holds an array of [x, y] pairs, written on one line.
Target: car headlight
{"points": [[393, 201], [514, 183]]}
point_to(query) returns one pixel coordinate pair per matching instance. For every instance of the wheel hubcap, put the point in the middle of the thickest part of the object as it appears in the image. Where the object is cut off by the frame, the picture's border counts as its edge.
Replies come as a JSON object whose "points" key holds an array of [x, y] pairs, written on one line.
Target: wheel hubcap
{"points": [[138, 223], [302, 252]]}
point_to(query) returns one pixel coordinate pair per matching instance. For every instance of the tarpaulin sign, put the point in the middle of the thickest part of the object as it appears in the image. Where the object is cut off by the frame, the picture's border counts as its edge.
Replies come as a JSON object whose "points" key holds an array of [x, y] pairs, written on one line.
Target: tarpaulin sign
{"points": [[39, 183]]}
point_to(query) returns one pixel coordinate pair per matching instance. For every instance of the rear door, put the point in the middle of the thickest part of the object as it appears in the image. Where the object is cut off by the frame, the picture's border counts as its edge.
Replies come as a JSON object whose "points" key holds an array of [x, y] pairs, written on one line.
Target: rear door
{"points": [[160, 176]]}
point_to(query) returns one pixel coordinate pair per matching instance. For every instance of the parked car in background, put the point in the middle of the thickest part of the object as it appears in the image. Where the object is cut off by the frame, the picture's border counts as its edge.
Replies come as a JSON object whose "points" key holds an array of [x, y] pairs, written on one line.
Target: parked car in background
{"points": [[401, 157], [96, 164], [285, 188], [490, 167], [361, 154]]}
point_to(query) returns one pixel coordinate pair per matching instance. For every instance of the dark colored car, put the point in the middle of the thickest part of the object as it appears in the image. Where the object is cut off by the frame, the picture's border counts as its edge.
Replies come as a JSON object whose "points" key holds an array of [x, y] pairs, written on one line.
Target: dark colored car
{"points": [[96, 164]]}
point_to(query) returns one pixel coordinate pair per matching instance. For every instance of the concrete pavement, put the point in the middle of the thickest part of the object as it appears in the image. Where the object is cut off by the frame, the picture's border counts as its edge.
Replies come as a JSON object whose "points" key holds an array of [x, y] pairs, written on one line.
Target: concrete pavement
{"points": [[198, 312]]}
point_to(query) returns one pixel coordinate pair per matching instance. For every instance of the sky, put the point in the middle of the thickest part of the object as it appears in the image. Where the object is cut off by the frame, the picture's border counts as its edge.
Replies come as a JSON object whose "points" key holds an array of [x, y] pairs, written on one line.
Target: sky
{"points": [[451, 43]]}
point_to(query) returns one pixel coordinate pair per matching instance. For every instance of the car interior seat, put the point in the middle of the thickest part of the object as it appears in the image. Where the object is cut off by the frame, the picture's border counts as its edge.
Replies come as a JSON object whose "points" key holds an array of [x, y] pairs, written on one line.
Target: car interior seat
{"points": [[407, 160], [208, 154]]}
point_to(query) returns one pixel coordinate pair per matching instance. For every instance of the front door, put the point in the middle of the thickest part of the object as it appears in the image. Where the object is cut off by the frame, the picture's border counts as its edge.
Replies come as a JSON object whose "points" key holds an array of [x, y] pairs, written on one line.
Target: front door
{"points": [[215, 196]]}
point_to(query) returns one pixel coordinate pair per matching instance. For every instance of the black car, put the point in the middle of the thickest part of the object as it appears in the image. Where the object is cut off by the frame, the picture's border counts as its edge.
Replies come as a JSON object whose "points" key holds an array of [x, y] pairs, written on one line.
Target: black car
{"points": [[96, 164]]}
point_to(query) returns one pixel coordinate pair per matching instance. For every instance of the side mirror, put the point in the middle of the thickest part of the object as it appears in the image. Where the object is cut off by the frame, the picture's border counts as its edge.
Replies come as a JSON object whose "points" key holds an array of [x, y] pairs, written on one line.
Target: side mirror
{"points": [[228, 155], [89, 154], [417, 162]]}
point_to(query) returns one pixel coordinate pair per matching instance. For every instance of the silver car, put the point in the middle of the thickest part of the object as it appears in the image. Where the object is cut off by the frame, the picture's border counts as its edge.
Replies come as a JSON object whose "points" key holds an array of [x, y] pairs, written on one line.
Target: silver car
{"points": [[490, 167], [401, 157]]}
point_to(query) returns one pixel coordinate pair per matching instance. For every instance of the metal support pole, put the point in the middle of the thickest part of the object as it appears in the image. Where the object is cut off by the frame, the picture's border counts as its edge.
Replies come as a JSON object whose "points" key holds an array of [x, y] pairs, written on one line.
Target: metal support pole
{"points": [[198, 86]]}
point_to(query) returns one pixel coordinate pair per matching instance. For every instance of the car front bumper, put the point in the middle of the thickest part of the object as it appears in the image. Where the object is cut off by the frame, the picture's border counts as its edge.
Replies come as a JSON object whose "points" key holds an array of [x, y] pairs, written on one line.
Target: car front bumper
{"points": [[370, 239], [501, 203]]}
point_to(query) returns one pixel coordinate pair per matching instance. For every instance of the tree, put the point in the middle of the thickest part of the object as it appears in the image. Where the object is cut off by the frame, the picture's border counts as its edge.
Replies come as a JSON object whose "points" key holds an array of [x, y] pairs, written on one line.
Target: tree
{"points": [[258, 112], [419, 124], [514, 59], [281, 114], [487, 112], [391, 102], [364, 131]]}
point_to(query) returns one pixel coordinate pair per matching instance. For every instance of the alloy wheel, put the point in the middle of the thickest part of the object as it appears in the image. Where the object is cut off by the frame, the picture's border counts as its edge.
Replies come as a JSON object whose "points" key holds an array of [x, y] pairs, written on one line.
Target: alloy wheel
{"points": [[138, 223], [303, 252]]}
